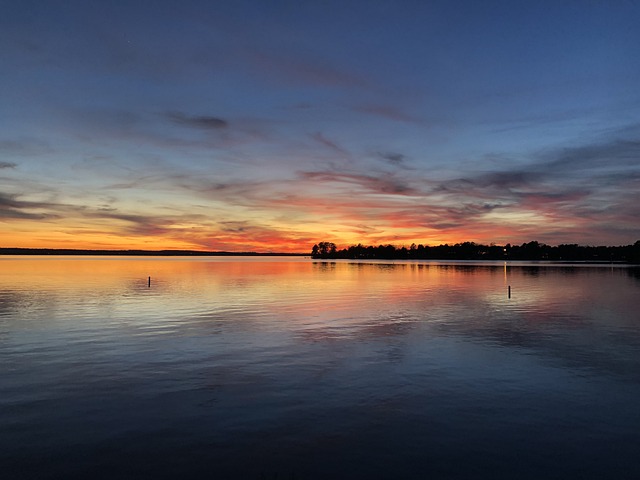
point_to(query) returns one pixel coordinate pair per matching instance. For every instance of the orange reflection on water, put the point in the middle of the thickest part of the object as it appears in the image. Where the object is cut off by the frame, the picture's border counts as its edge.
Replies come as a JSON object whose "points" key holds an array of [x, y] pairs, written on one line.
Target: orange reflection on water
{"points": [[327, 298], [54, 272]]}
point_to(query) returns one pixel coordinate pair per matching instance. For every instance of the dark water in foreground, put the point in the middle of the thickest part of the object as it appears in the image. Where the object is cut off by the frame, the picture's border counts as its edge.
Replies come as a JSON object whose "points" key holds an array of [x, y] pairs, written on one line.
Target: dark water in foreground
{"points": [[287, 368]]}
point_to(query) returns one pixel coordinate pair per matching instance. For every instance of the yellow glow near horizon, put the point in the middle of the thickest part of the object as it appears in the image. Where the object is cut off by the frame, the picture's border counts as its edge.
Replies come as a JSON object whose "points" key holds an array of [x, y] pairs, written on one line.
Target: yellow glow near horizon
{"points": [[271, 233]]}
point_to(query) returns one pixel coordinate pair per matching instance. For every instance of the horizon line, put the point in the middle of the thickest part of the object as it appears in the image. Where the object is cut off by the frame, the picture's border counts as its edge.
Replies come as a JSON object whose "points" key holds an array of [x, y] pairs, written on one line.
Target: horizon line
{"points": [[189, 252]]}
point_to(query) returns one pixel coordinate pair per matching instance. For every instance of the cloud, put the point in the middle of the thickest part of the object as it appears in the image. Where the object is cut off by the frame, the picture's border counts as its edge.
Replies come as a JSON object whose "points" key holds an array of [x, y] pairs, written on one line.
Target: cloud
{"points": [[203, 121], [154, 224], [608, 156], [330, 144], [8, 165], [131, 140], [104, 221], [115, 128], [562, 174], [395, 159], [139, 224], [506, 185], [11, 207], [235, 226], [433, 216], [569, 194], [385, 183]]}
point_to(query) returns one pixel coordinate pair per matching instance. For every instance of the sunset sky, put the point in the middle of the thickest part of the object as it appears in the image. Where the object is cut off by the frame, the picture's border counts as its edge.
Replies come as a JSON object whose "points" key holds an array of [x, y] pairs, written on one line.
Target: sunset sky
{"points": [[273, 125]]}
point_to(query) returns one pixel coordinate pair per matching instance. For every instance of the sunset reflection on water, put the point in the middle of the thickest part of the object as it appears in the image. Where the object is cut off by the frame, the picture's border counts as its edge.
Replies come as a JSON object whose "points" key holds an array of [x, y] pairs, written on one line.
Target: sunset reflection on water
{"points": [[254, 367]]}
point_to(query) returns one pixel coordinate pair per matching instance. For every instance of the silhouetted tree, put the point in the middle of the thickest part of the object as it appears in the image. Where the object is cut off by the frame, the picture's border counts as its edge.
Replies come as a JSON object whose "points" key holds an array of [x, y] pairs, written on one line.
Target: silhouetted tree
{"points": [[473, 251], [324, 250], [635, 253]]}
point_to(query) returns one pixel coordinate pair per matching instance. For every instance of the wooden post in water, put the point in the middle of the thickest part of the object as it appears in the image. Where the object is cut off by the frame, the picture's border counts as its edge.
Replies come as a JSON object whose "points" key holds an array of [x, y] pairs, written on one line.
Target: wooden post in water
{"points": [[508, 290], [149, 283]]}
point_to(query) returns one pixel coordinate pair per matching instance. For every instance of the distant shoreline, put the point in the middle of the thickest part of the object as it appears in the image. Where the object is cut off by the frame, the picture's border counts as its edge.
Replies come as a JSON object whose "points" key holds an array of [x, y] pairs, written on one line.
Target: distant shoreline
{"points": [[532, 251], [140, 253]]}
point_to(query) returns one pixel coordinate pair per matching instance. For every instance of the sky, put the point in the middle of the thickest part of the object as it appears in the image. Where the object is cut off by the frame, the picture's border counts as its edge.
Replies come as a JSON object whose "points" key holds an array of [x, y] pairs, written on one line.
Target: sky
{"points": [[269, 126]]}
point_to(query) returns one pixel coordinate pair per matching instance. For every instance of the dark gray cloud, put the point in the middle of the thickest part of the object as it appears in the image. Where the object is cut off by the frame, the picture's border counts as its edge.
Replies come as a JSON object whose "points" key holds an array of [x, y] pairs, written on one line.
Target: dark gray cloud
{"points": [[560, 174], [117, 127], [137, 224], [495, 182], [396, 159], [234, 226], [10, 201], [609, 156], [12, 213], [197, 121], [11, 207], [8, 165], [381, 184], [583, 192], [454, 216]]}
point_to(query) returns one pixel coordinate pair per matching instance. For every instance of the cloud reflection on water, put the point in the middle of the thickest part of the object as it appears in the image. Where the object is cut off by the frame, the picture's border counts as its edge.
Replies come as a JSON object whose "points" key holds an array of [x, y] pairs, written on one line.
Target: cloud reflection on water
{"points": [[292, 363]]}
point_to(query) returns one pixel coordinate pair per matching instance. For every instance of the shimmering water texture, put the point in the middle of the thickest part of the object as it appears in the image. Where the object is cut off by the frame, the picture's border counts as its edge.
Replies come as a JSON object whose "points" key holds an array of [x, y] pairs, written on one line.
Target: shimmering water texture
{"points": [[265, 368]]}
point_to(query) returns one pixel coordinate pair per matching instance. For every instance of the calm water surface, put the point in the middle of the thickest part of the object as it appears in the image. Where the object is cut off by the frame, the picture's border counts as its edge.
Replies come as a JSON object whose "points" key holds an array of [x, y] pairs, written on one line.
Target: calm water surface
{"points": [[265, 368]]}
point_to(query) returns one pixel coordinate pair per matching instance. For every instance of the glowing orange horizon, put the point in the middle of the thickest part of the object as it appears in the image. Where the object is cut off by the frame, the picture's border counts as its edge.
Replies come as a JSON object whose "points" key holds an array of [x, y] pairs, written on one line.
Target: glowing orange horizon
{"points": [[236, 244], [295, 230]]}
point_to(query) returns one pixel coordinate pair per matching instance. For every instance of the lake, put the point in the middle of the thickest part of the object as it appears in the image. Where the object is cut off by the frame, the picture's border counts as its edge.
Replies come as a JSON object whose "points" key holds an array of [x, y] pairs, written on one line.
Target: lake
{"points": [[290, 368]]}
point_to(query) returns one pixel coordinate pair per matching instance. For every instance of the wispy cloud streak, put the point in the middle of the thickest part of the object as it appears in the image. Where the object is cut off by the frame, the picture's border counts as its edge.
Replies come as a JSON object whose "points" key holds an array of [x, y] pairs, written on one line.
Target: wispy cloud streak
{"points": [[198, 121]]}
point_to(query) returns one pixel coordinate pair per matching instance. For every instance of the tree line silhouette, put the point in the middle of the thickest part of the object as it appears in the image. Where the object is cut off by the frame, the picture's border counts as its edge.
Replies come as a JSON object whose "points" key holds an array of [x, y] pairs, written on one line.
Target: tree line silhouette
{"points": [[474, 251]]}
